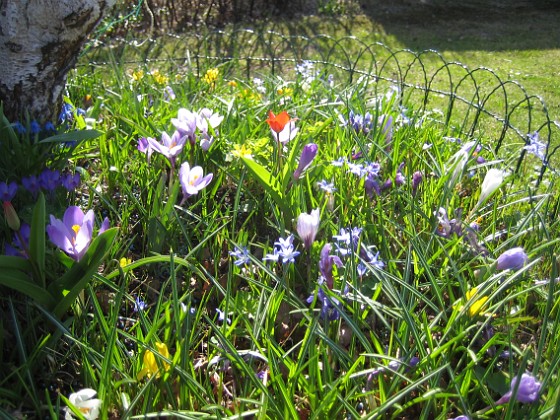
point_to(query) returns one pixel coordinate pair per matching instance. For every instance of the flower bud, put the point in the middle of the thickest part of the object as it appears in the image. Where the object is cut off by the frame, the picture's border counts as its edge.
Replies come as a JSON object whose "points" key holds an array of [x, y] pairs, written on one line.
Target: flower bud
{"points": [[11, 216], [512, 259]]}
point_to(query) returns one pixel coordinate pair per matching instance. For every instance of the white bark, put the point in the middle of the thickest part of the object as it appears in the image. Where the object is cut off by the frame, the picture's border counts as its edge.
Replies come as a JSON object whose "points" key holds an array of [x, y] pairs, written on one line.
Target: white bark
{"points": [[39, 43]]}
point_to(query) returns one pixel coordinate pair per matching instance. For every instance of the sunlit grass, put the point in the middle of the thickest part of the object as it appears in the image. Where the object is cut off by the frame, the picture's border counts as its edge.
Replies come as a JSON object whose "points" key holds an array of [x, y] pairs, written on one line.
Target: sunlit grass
{"points": [[410, 316]]}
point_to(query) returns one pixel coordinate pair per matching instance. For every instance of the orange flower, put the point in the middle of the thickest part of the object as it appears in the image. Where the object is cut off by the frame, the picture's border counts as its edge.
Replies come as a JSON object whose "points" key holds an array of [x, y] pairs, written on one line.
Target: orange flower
{"points": [[278, 122]]}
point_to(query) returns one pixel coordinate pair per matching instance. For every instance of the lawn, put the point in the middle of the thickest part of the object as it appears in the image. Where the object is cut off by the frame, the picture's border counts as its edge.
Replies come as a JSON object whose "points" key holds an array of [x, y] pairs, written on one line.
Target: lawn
{"points": [[204, 237]]}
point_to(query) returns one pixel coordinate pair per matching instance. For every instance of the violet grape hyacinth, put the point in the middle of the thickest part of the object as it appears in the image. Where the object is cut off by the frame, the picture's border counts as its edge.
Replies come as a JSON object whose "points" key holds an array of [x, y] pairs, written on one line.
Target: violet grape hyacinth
{"points": [[171, 147], [512, 259], [307, 227], [527, 390], [192, 179], [307, 155], [73, 234]]}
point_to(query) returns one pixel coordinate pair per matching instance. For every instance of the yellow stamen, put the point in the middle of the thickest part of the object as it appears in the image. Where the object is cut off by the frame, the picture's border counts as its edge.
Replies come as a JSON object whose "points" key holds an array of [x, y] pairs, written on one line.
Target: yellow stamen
{"points": [[76, 228]]}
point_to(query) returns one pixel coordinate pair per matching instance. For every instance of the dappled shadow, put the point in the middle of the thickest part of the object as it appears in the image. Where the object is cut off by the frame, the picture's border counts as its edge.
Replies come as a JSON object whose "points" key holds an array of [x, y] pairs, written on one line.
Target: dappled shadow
{"points": [[452, 25]]}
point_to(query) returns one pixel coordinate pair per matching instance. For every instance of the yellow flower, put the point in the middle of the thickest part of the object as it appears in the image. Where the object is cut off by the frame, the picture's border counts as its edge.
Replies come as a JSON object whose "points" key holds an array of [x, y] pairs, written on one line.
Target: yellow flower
{"points": [[285, 91], [150, 365], [232, 83], [476, 306], [159, 78], [211, 76], [137, 75], [125, 261], [241, 151]]}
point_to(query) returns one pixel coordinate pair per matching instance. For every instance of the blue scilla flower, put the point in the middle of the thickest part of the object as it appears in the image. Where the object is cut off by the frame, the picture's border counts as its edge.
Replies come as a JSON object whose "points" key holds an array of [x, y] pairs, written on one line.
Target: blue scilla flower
{"points": [[67, 113], [242, 254], [19, 127], [34, 127]]}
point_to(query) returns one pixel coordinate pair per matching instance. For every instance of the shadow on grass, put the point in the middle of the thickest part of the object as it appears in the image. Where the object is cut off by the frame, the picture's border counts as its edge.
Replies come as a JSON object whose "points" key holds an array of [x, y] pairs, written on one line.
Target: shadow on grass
{"points": [[452, 25]]}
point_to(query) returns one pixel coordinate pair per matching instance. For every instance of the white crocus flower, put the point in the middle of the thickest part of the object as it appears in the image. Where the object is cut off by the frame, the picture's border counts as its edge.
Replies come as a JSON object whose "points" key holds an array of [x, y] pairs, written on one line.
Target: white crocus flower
{"points": [[492, 181], [307, 227], [84, 402]]}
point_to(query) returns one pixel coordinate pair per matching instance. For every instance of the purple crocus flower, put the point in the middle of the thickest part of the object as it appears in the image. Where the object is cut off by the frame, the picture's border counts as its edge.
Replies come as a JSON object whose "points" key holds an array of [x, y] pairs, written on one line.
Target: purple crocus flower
{"points": [[192, 179], [171, 147], [512, 259], [31, 183], [49, 179], [372, 186], [144, 147], [308, 226], [326, 263], [307, 155], [416, 180], [73, 233], [71, 181], [168, 94], [527, 390], [208, 118], [185, 123], [8, 191], [20, 243]]}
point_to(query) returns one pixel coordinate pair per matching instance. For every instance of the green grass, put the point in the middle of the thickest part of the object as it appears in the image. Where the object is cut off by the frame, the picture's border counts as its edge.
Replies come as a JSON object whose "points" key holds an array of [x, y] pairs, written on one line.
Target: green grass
{"points": [[279, 351]]}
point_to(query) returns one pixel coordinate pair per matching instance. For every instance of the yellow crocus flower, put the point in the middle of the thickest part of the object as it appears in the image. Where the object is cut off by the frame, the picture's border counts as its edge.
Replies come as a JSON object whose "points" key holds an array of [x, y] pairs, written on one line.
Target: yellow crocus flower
{"points": [[150, 365]]}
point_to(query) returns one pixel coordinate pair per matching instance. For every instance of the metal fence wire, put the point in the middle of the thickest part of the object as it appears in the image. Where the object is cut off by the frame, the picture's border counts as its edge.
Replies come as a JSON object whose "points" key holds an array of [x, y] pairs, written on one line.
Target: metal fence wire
{"points": [[473, 102]]}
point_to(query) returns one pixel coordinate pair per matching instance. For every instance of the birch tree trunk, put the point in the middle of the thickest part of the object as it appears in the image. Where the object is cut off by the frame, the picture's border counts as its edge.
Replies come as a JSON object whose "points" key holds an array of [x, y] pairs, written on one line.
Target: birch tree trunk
{"points": [[39, 43]]}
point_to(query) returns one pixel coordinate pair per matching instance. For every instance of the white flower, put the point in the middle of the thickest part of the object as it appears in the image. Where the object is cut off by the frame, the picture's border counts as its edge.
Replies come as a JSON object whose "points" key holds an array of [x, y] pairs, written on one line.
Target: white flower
{"points": [[492, 181], [84, 402], [307, 227]]}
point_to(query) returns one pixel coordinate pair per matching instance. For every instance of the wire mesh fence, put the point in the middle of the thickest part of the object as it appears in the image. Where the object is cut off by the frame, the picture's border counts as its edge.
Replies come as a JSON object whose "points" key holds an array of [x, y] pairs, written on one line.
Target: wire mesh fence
{"points": [[474, 102]]}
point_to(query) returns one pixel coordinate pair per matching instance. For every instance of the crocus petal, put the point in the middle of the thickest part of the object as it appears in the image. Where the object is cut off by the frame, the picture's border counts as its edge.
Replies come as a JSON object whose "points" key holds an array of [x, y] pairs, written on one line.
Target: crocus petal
{"points": [[60, 236], [73, 216], [492, 181], [106, 224], [307, 155], [82, 395]]}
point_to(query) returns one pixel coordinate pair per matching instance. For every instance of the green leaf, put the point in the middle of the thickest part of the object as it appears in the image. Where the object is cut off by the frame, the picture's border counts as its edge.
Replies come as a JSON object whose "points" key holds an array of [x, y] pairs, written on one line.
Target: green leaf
{"points": [[269, 182], [8, 262], [23, 283], [37, 241], [78, 136], [77, 278]]}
